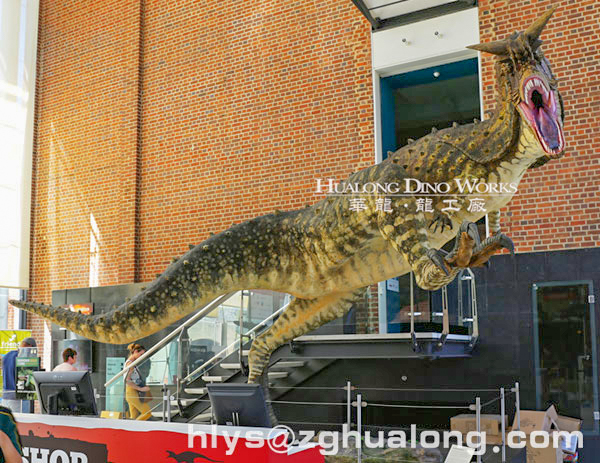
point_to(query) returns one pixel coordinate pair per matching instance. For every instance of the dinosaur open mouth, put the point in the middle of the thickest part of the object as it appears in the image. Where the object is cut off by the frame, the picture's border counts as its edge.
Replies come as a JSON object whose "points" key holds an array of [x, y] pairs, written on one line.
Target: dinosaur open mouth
{"points": [[539, 107]]}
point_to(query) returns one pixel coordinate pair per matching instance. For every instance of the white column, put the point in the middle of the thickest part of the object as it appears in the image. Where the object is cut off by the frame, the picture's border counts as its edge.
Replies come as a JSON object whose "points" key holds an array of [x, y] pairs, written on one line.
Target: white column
{"points": [[18, 50]]}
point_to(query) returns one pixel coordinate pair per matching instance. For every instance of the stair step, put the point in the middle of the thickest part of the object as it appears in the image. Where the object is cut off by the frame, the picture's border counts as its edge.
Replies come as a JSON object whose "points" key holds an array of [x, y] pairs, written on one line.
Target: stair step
{"points": [[278, 374], [184, 402], [159, 413], [245, 353], [290, 364], [230, 366], [202, 418], [214, 379], [195, 390]]}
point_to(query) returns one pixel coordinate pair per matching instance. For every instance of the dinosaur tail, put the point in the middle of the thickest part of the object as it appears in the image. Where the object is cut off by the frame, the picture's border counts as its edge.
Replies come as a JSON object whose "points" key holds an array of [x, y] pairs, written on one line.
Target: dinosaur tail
{"points": [[235, 259]]}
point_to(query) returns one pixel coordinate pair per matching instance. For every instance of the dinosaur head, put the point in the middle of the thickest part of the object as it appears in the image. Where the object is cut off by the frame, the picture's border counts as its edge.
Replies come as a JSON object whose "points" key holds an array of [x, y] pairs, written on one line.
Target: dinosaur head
{"points": [[526, 79]]}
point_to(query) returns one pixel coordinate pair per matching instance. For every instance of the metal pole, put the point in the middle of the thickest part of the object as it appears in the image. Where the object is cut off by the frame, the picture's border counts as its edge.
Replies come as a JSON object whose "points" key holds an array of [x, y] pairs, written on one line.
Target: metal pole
{"points": [[478, 418], [164, 403], [349, 405], [168, 406], [502, 412], [518, 405], [359, 425], [412, 305]]}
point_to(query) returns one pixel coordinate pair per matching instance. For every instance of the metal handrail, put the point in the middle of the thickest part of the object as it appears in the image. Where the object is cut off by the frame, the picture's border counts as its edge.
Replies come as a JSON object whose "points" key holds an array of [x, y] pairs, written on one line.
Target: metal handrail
{"points": [[216, 356], [201, 314]]}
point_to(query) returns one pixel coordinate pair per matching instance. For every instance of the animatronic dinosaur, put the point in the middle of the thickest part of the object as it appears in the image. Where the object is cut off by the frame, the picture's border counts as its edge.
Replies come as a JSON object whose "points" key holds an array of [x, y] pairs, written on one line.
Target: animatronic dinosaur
{"points": [[326, 254]]}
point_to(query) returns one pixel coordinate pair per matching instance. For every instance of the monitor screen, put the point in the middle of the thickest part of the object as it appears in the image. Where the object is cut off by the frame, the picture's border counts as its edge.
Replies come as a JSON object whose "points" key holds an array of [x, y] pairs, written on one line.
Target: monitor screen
{"points": [[239, 405], [65, 392]]}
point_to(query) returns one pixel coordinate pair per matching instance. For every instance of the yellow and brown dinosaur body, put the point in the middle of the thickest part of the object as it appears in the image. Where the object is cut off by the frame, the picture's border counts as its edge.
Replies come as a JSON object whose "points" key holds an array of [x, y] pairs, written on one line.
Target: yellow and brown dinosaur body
{"points": [[327, 253]]}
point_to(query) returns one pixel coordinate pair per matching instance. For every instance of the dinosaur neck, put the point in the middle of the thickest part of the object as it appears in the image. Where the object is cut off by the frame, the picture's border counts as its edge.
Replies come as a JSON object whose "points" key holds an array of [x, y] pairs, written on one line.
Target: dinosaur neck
{"points": [[500, 138]]}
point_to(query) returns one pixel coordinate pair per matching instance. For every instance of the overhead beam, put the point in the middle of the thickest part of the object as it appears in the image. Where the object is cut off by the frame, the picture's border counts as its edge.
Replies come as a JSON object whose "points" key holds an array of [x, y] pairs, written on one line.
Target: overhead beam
{"points": [[426, 13], [360, 4]]}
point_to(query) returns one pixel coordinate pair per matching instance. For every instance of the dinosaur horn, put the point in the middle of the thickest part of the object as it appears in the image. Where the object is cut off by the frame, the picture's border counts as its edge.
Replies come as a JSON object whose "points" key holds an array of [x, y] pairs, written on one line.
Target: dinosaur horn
{"points": [[535, 30], [499, 47]]}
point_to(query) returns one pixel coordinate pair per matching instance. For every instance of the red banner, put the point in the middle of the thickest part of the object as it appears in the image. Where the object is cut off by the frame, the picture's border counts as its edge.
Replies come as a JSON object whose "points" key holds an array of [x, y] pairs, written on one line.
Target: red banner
{"points": [[57, 439]]}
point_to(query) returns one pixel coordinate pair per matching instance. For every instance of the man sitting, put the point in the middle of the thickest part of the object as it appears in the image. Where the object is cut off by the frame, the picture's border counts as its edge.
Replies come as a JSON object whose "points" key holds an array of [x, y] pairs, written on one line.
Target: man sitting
{"points": [[70, 358]]}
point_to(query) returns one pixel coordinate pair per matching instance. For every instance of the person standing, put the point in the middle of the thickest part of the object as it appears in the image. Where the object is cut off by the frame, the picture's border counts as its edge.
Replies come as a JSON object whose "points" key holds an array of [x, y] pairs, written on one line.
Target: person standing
{"points": [[9, 377], [135, 384], [11, 450], [69, 360]]}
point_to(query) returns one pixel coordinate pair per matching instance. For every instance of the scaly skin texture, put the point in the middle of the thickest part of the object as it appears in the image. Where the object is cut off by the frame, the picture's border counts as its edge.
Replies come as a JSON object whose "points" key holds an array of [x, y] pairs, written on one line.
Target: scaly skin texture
{"points": [[325, 255]]}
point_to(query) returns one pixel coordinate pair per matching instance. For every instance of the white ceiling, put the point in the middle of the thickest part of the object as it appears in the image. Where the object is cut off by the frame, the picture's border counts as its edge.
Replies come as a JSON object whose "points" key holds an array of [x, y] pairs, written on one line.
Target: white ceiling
{"points": [[400, 7]]}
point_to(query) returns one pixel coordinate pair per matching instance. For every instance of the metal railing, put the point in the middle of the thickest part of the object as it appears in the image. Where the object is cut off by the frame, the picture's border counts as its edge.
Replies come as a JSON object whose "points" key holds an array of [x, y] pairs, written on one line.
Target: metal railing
{"points": [[464, 276], [238, 342], [201, 314]]}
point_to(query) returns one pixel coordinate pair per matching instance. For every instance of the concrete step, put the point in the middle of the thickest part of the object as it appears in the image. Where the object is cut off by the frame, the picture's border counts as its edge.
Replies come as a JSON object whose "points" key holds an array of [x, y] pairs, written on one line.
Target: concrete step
{"points": [[214, 379], [245, 353], [289, 364], [159, 413], [230, 366], [202, 418], [195, 390], [278, 374], [184, 402]]}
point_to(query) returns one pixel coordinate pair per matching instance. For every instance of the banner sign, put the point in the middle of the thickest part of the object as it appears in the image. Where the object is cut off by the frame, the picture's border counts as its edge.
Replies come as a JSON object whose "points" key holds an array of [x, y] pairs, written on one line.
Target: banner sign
{"points": [[25, 385], [69, 439], [10, 340]]}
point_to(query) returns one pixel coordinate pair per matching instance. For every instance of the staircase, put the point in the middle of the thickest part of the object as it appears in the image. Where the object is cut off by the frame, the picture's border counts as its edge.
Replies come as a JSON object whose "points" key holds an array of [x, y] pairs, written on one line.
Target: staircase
{"points": [[283, 374], [294, 363]]}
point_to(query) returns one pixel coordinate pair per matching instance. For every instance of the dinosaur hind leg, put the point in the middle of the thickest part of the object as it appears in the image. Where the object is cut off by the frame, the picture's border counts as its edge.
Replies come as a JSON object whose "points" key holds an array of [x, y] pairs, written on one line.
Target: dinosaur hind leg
{"points": [[302, 316]]}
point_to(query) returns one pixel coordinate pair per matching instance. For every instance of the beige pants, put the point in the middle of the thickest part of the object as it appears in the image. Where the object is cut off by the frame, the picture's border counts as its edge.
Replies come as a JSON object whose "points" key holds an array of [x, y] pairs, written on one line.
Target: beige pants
{"points": [[138, 410]]}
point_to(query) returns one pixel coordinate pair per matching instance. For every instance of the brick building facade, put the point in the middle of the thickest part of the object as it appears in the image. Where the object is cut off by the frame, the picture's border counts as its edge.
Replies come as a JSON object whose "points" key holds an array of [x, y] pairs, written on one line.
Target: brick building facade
{"points": [[159, 122]]}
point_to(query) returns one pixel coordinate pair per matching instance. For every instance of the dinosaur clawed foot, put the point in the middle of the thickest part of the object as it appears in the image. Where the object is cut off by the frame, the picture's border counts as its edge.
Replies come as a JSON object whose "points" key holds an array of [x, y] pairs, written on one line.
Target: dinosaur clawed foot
{"points": [[489, 247], [468, 248]]}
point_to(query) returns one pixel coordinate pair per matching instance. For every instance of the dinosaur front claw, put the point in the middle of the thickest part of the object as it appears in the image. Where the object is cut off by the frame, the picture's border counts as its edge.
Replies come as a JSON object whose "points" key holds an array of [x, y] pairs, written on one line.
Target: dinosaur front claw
{"points": [[437, 256], [441, 221]]}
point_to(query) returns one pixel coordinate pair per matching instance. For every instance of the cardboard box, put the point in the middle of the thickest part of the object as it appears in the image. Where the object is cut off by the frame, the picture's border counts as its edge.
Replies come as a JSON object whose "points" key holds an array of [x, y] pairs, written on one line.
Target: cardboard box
{"points": [[549, 421], [490, 424], [547, 455], [532, 420], [110, 414]]}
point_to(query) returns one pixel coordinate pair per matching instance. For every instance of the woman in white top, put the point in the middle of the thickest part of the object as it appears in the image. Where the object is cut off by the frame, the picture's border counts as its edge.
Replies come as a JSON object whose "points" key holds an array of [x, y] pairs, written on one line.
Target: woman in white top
{"points": [[70, 358]]}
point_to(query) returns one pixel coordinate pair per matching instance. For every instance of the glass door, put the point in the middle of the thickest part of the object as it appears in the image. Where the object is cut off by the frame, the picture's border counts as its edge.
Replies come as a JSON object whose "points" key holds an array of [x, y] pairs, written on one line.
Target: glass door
{"points": [[565, 350], [411, 104]]}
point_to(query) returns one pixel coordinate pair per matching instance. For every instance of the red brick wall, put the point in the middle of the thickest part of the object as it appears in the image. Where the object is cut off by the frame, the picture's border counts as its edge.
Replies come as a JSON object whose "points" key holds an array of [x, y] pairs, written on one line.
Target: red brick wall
{"points": [[558, 205], [241, 109]]}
